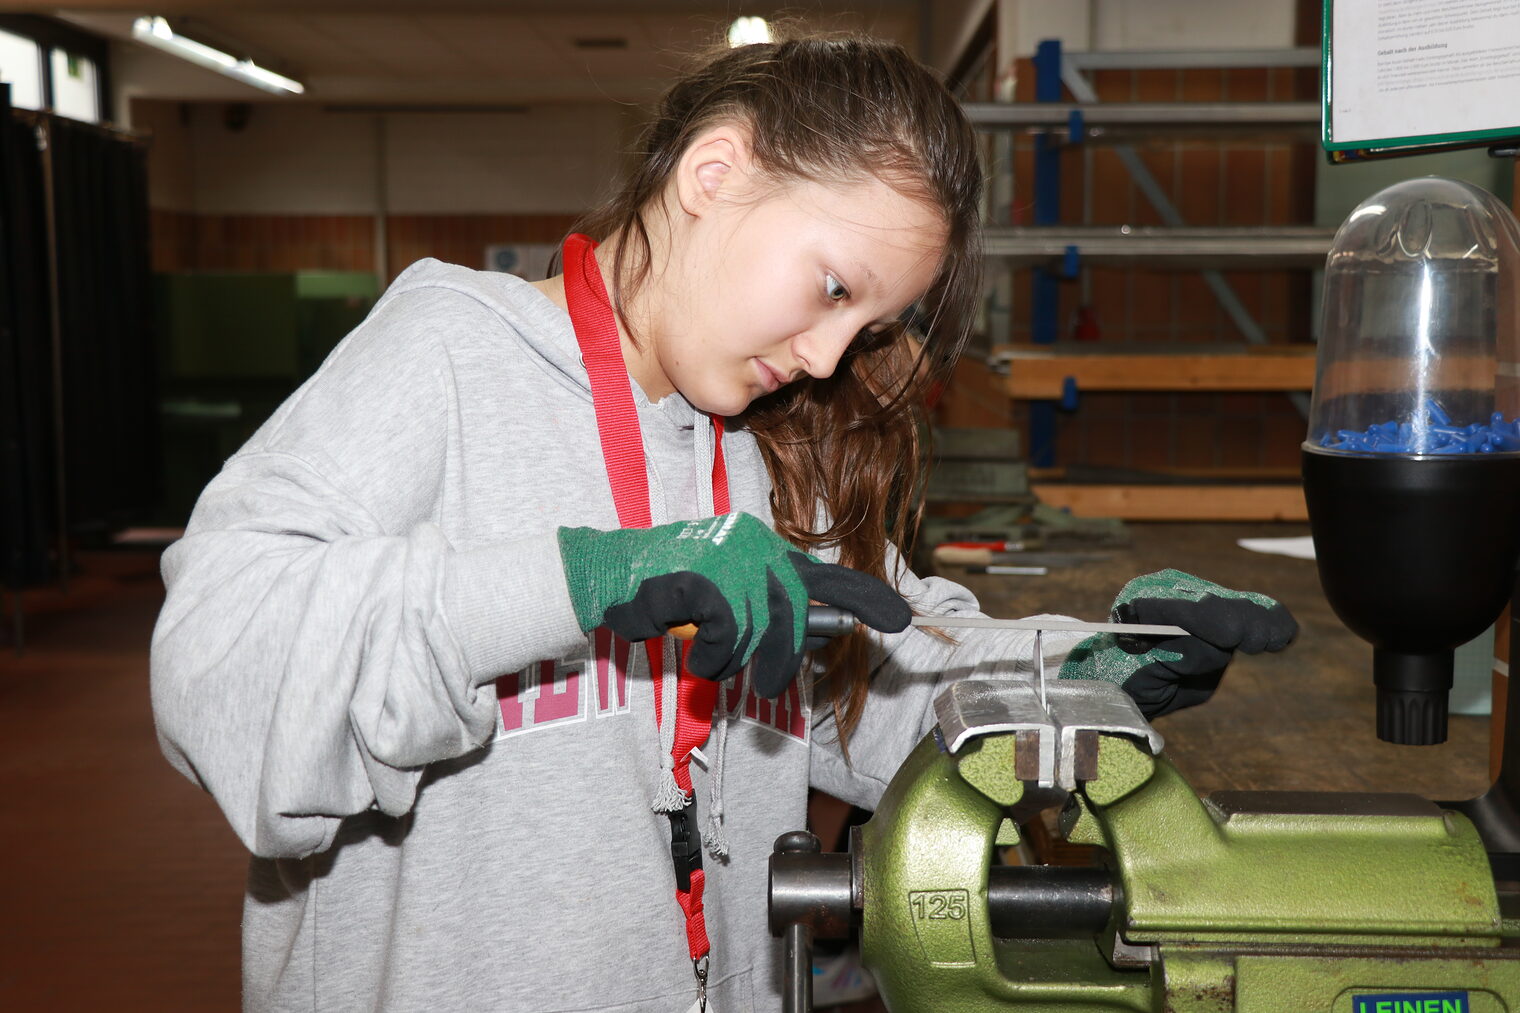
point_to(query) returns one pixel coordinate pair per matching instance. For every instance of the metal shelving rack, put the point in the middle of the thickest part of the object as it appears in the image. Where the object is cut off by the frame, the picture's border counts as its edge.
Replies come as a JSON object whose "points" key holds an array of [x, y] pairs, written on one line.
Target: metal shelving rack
{"points": [[1064, 248], [1058, 251]]}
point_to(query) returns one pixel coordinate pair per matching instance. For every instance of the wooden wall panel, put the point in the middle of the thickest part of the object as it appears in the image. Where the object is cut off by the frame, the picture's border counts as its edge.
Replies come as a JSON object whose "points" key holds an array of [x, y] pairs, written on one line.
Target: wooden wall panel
{"points": [[189, 242]]}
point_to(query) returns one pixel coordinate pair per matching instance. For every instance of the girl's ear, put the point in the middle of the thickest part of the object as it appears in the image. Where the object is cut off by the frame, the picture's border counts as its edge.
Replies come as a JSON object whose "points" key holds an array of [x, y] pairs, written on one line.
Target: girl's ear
{"points": [[715, 165]]}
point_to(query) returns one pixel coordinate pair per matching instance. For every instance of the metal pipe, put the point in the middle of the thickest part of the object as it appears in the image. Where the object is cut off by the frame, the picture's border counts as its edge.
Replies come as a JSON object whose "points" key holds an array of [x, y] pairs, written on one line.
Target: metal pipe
{"points": [[815, 892], [1049, 901], [806, 888], [1144, 115], [1302, 56], [1164, 247], [797, 969]]}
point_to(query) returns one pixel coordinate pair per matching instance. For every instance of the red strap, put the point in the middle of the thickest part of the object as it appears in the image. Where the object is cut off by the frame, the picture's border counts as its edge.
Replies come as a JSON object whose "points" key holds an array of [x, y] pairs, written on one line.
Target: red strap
{"points": [[611, 391], [696, 921], [617, 423], [720, 470], [695, 700]]}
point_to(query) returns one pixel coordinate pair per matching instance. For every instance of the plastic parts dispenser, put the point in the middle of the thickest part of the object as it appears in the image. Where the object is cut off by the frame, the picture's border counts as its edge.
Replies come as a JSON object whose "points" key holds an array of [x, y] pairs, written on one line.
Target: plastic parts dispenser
{"points": [[1412, 463]]}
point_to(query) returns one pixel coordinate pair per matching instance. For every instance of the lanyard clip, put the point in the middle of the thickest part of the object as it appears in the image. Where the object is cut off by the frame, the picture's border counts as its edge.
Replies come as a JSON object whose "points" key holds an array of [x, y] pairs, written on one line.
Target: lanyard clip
{"points": [[699, 968], [685, 847]]}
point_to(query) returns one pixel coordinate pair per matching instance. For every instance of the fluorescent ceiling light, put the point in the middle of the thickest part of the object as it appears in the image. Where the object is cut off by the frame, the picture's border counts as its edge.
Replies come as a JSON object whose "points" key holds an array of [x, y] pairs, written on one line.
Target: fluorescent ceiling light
{"points": [[156, 32], [747, 30]]}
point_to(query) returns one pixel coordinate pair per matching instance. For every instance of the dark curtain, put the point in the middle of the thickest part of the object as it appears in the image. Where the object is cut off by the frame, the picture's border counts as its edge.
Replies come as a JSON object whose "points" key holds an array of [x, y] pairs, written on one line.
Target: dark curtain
{"points": [[108, 458], [27, 458], [109, 404]]}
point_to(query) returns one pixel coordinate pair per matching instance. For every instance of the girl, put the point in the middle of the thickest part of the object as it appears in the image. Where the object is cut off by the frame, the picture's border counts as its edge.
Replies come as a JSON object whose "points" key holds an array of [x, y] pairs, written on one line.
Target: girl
{"points": [[386, 647]]}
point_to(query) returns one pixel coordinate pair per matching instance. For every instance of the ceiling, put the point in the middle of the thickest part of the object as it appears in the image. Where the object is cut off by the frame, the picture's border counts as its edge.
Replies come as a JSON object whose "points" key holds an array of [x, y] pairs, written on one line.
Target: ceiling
{"points": [[457, 52]]}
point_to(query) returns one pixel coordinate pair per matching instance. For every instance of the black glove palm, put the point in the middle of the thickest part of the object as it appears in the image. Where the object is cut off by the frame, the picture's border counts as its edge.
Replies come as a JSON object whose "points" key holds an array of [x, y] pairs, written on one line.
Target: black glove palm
{"points": [[1167, 675], [745, 587]]}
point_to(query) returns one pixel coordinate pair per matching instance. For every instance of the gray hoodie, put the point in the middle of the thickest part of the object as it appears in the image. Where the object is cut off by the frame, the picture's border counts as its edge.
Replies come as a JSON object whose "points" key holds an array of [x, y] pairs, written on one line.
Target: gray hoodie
{"points": [[369, 658]]}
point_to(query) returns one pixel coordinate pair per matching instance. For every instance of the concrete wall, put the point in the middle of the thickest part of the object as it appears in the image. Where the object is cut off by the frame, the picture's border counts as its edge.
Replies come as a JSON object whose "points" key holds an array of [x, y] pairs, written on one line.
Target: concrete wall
{"points": [[293, 159], [1192, 24], [1143, 24], [171, 156], [553, 158]]}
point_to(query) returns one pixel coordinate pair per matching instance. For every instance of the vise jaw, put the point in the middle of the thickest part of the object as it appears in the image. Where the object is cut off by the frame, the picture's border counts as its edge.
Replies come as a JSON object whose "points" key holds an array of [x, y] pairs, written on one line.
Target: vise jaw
{"points": [[1056, 740]]}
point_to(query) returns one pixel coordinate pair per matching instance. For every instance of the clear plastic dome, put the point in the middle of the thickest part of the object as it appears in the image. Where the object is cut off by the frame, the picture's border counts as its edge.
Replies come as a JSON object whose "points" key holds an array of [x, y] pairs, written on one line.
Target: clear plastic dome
{"points": [[1419, 352]]}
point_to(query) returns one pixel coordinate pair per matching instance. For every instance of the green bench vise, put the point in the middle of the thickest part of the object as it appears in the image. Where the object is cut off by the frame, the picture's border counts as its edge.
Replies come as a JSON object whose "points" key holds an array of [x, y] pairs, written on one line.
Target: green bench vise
{"points": [[1256, 902]]}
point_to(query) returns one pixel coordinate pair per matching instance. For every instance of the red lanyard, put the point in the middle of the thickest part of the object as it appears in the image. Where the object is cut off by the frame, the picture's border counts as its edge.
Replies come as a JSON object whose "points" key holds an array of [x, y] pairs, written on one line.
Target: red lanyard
{"points": [[617, 422]]}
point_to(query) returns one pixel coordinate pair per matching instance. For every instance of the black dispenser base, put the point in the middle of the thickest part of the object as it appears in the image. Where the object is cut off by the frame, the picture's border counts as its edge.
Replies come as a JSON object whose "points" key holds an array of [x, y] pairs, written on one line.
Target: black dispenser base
{"points": [[1417, 557], [1412, 694]]}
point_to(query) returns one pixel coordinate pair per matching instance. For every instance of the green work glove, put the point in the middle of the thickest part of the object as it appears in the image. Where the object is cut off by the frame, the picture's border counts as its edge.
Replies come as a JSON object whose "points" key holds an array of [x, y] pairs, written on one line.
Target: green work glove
{"points": [[745, 587], [1164, 675]]}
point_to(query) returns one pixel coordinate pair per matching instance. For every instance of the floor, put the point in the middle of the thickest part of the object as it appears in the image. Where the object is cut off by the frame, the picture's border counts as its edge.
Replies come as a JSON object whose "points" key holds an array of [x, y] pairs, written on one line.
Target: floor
{"points": [[125, 885]]}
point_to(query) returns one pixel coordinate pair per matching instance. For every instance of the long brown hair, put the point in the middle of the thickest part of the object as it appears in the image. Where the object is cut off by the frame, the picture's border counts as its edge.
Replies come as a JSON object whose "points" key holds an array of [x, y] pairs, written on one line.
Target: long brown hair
{"points": [[827, 109]]}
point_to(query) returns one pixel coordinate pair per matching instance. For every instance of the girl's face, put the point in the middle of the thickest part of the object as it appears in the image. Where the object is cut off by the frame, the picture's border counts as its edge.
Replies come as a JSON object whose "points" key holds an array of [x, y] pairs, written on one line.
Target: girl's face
{"points": [[764, 288]]}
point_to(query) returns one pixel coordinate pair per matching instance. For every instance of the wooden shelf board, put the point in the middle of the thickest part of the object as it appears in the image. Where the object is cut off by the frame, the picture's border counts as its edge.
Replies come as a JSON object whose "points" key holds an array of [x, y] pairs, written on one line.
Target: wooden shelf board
{"points": [[1178, 502], [1244, 474], [1036, 373]]}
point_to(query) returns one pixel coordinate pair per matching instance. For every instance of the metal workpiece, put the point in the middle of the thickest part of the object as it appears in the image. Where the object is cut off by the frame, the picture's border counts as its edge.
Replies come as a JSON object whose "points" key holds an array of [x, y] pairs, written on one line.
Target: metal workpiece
{"points": [[1052, 747], [1159, 247], [832, 621], [1084, 710], [973, 708], [1041, 625]]}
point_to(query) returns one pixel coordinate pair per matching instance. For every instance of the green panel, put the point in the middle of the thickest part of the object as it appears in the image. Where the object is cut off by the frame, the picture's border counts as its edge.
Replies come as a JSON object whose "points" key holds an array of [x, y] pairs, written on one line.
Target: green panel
{"points": [[331, 304], [322, 324], [229, 326], [226, 326], [234, 347], [359, 285]]}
